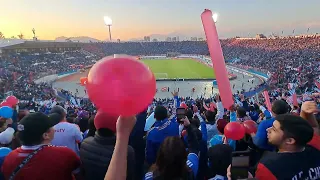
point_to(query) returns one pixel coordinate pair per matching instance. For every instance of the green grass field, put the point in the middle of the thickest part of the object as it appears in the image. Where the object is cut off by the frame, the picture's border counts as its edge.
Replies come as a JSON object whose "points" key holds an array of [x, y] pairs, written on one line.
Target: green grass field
{"points": [[179, 68]]}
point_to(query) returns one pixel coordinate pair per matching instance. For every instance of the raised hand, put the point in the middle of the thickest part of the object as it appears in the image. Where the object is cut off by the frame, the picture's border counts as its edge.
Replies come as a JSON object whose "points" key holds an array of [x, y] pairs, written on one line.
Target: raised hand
{"points": [[309, 107], [175, 93], [125, 126]]}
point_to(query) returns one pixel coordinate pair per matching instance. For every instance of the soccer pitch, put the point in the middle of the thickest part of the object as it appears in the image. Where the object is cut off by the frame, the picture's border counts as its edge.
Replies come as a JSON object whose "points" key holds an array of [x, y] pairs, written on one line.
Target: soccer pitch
{"points": [[179, 68]]}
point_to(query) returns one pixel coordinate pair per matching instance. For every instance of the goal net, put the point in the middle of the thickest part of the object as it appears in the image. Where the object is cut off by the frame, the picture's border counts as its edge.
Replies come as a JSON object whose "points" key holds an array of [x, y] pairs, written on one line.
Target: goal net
{"points": [[161, 75]]}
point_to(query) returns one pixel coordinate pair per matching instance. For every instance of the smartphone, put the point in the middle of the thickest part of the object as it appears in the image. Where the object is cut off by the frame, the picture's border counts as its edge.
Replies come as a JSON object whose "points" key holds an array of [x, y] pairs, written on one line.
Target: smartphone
{"points": [[240, 164], [181, 113]]}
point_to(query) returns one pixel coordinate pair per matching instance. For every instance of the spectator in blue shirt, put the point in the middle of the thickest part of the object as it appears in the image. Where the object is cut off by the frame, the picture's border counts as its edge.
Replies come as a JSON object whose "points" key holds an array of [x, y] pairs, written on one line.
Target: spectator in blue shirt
{"points": [[163, 128], [260, 139], [173, 160]]}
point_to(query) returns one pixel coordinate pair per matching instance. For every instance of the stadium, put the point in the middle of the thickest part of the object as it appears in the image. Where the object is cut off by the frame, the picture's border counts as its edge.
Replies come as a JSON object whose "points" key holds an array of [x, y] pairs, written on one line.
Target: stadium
{"points": [[193, 75], [189, 71], [44, 74], [180, 95]]}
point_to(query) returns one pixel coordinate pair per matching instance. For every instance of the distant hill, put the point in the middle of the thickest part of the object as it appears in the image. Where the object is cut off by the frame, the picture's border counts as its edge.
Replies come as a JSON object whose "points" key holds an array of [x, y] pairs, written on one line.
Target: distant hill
{"points": [[83, 39]]}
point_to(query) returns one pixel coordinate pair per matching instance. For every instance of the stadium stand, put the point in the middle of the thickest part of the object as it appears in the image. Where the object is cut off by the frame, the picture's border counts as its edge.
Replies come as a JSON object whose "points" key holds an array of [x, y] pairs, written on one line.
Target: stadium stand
{"points": [[283, 145]]}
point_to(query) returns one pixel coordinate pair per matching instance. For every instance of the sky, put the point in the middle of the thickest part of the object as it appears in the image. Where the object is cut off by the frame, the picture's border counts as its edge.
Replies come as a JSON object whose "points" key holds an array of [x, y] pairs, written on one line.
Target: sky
{"points": [[138, 18]]}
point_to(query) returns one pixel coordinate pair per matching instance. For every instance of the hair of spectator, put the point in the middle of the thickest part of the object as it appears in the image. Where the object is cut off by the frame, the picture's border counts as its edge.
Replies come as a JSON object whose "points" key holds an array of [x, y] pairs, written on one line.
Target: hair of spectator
{"points": [[105, 132], [210, 116], [30, 140], [220, 157], [171, 159], [280, 107], [241, 112], [295, 127]]}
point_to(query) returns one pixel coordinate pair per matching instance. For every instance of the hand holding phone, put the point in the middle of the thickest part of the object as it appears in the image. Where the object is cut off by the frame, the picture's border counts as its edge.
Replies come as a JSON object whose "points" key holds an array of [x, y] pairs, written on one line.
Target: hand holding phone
{"points": [[240, 165], [181, 113]]}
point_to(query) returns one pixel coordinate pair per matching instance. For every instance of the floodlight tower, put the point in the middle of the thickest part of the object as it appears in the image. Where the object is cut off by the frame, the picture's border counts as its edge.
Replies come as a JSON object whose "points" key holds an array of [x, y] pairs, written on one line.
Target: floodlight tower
{"points": [[108, 22]]}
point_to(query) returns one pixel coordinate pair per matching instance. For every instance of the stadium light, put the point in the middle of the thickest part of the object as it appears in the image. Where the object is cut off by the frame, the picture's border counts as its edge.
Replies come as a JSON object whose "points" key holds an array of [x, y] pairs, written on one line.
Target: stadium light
{"points": [[108, 22], [215, 17]]}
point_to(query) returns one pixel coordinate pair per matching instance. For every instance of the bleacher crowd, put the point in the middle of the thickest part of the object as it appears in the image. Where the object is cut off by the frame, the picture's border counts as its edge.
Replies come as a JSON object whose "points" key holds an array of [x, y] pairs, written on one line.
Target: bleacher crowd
{"points": [[285, 144]]}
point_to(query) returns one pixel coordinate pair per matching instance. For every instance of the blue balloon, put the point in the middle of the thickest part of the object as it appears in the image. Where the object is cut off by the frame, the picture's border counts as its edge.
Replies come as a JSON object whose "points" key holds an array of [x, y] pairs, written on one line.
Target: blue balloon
{"points": [[6, 112], [4, 151]]}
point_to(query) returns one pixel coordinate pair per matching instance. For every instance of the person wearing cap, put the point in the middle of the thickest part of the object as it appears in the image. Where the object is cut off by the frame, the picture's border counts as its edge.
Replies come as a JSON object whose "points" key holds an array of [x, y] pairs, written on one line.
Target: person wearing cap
{"points": [[36, 132], [96, 151], [295, 158], [66, 134]]}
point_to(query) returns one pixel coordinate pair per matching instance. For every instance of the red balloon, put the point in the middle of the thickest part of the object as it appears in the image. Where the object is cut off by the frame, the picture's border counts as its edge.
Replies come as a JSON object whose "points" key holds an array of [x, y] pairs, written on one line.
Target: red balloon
{"points": [[83, 80], [121, 85], [183, 105], [250, 126], [183, 133], [234, 131], [5, 103], [12, 100], [104, 120]]}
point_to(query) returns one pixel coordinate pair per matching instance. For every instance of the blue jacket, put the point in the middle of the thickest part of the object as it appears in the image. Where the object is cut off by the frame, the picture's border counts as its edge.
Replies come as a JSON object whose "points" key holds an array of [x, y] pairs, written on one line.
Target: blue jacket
{"points": [[156, 136], [261, 139], [254, 115]]}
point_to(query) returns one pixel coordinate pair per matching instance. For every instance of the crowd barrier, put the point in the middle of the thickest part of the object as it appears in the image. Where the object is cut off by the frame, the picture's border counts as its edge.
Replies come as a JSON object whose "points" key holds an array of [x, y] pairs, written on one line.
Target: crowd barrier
{"points": [[51, 78], [47, 79], [265, 76], [64, 74], [255, 91]]}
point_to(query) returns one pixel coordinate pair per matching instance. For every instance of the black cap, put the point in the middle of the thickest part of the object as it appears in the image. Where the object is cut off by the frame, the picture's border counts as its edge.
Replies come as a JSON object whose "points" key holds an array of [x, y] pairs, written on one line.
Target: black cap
{"points": [[160, 113], [295, 127], [32, 126], [59, 110]]}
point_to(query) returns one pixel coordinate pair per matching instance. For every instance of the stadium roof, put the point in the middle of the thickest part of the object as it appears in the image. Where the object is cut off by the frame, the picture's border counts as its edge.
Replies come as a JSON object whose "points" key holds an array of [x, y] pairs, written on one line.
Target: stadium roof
{"points": [[10, 42], [26, 44]]}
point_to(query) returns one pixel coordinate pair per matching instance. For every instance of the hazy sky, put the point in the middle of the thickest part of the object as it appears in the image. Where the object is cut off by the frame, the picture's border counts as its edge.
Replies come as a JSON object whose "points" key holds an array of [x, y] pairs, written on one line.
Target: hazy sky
{"points": [[137, 18]]}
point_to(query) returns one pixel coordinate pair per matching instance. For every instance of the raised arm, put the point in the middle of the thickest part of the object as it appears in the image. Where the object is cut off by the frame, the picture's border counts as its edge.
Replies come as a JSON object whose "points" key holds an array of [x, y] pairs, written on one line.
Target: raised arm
{"points": [[308, 109], [118, 166]]}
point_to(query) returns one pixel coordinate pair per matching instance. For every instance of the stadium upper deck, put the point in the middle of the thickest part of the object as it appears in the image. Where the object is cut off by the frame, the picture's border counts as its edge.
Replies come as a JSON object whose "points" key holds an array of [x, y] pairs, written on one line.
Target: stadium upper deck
{"points": [[18, 45]]}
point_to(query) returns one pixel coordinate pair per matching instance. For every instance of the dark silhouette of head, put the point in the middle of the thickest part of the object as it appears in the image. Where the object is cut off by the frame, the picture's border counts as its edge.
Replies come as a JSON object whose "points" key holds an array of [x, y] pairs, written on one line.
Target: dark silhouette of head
{"points": [[280, 107], [160, 113], [241, 112], [171, 159], [220, 157], [210, 116]]}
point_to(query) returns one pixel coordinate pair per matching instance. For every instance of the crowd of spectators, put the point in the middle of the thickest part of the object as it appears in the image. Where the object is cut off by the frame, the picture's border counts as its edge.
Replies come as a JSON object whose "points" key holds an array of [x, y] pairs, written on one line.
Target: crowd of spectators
{"points": [[18, 71], [286, 60], [289, 60], [285, 145], [193, 147]]}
